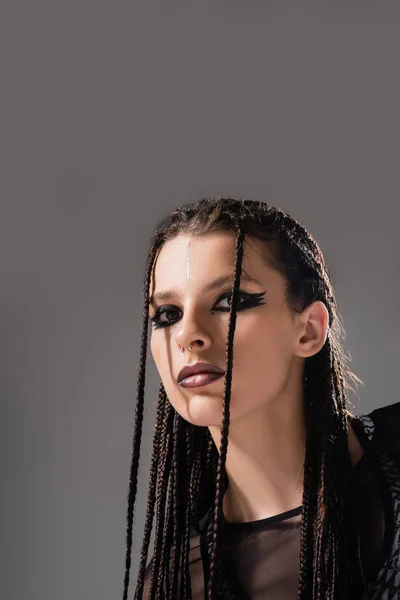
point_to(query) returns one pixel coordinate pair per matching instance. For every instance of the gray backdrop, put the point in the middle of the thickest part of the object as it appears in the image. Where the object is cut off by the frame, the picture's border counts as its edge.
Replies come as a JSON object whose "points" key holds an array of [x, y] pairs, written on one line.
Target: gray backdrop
{"points": [[112, 114]]}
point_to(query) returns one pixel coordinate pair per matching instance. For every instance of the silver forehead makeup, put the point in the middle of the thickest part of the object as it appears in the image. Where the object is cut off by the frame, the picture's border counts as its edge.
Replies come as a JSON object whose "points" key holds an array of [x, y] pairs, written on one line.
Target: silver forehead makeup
{"points": [[188, 259]]}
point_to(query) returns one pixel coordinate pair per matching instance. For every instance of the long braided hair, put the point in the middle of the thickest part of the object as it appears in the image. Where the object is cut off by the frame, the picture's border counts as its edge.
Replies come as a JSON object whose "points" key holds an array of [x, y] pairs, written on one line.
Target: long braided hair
{"points": [[187, 471]]}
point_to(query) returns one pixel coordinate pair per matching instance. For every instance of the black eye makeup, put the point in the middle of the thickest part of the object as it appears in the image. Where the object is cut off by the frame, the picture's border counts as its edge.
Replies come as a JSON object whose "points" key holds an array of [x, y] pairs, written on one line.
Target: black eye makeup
{"points": [[168, 313]]}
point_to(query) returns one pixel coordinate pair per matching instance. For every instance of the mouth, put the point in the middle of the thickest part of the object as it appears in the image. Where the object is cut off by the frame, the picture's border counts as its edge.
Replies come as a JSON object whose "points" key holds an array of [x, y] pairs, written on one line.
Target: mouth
{"points": [[200, 379], [199, 374]]}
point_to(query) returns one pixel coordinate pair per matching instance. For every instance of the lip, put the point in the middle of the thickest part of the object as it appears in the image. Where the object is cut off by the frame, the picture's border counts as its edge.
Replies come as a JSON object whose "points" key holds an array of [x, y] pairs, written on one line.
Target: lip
{"points": [[196, 368], [200, 380]]}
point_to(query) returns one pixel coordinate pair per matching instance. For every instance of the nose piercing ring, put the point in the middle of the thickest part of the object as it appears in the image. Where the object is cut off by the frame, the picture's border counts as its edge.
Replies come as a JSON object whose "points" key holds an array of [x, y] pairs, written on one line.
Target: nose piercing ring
{"points": [[183, 349]]}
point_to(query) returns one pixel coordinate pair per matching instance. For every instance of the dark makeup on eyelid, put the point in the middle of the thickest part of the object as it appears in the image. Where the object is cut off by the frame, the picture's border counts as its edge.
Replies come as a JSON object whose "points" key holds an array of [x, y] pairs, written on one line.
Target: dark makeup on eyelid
{"points": [[245, 300]]}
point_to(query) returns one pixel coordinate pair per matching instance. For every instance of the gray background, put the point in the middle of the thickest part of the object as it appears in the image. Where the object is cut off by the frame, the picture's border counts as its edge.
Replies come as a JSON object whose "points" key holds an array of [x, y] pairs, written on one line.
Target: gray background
{"points": [[112, 114]]}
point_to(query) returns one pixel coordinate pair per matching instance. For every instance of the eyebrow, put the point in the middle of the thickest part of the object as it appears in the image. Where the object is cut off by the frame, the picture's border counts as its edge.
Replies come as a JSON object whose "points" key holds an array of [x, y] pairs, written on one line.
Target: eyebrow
{"points": [[209, 287]]}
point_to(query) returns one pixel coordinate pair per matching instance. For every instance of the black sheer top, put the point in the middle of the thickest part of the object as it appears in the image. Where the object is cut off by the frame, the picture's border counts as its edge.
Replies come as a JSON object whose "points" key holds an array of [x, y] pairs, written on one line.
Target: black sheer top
{"points": [[264, 555]]}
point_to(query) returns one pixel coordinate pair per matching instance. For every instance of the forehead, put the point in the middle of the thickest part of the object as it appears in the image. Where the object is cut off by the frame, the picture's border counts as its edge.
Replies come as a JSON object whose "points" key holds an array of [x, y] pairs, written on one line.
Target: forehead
{"points": [[189, 259]]}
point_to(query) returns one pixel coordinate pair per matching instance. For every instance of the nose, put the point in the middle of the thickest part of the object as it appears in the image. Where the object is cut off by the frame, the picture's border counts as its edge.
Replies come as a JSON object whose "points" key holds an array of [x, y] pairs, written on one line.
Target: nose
{"points": [[190, 335]]}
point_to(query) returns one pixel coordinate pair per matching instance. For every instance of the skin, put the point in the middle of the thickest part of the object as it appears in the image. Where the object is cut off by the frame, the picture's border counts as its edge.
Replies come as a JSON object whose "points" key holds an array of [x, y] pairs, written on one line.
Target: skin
{"points": [[266, 447]]}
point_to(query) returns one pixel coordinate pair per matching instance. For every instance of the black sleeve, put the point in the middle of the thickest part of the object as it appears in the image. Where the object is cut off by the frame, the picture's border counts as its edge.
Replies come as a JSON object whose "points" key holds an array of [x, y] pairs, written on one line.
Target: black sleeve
{"points": [[387, 424]]}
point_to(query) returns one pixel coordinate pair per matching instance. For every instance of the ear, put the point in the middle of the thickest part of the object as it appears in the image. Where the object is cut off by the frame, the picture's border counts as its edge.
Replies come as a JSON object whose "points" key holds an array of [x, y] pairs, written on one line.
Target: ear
{"points": [[312, 329]]}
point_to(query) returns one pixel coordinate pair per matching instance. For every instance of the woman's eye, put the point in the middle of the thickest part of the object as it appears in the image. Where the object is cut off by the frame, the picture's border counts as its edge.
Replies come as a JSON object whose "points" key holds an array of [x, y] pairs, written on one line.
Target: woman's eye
{"points": [[227, 299], [245, 300], [158, 319]]}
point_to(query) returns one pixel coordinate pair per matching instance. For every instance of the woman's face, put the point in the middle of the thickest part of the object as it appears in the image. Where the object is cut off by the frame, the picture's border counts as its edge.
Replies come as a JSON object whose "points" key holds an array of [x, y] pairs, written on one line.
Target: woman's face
{"points": [[185, 282]]}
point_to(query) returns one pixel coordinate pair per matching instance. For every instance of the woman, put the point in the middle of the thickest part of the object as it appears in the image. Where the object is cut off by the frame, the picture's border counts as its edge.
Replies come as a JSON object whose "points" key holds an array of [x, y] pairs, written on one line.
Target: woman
{"points": [[265, 484]]}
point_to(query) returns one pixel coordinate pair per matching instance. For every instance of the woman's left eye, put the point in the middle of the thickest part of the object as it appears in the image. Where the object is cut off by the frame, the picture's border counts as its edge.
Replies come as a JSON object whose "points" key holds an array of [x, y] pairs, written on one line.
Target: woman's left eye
{"points": [[245, 300], [227, 298]]}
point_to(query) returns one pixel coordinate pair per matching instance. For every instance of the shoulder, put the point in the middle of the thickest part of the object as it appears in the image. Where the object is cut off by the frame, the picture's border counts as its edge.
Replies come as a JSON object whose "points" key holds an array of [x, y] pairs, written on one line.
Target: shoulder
{"points": [[382, 425], [379, 434], [387, 418], [383, 419], [381, 430]]}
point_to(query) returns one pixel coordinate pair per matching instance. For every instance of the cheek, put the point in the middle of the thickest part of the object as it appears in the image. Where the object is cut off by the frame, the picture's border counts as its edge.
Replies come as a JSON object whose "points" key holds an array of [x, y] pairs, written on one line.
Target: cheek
{"points": [[260, 337], [262, 357], [161, 354]]}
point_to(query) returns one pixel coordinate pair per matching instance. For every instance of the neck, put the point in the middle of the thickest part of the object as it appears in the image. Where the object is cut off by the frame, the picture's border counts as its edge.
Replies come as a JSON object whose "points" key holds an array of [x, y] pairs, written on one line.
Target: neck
{"points": [[265, 461]]}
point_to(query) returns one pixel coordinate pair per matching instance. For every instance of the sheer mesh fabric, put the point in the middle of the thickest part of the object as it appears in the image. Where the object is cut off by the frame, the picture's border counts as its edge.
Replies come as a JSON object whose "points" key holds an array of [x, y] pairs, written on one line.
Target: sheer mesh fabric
{"points": [[263, 557]]}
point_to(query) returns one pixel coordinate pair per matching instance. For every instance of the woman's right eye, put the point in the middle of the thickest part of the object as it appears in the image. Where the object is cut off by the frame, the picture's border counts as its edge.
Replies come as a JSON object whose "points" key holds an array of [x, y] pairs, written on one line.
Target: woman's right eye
{"points": [[164, 310]]}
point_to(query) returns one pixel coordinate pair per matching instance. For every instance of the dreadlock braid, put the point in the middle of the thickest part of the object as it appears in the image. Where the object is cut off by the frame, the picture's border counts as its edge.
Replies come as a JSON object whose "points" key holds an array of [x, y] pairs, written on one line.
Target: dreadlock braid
{"points": [[225, 411], [152, 488], [176, 547], [200, 463], [165, 441], [187, 470], [170, 519], [186, 591], [178, 477], [166, 541], [137, 435]]}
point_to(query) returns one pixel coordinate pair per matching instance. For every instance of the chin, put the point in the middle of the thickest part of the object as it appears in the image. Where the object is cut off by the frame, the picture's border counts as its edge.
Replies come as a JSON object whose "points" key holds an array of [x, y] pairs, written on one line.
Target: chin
{"points": [[203, 411]]}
